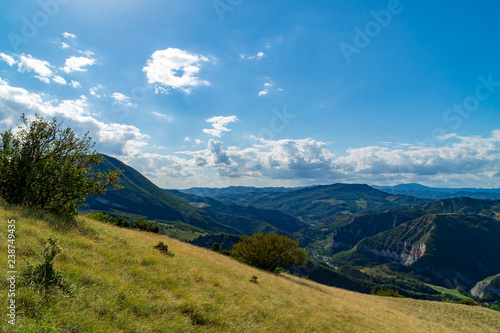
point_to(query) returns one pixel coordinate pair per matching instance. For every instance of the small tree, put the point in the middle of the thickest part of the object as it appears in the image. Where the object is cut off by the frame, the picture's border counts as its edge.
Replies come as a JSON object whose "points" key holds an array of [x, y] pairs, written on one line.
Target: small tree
{"points": [[121, 222], [269, 251], [143, 224], [163, 248], [216, 247], [44, 275], [47, 167]]}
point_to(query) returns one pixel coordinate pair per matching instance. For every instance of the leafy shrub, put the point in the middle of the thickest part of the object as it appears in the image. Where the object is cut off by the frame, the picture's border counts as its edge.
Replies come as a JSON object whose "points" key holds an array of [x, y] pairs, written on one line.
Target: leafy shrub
{"points": [[216, 247], [466, 301], [269, 251], [100, 217], [121, 222], [253, 279], [43, 275], [50, 168], [163, 248], [144, 225]]}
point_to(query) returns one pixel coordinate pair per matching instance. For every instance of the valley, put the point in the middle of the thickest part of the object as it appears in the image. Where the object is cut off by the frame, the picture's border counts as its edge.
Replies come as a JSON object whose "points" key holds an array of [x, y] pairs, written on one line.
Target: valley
{"points": [[357, 237]]}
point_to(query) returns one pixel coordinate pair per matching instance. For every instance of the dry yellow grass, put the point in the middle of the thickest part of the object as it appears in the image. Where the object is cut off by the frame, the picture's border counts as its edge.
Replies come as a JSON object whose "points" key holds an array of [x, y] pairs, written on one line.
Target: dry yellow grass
{"points": [[122, 284]]}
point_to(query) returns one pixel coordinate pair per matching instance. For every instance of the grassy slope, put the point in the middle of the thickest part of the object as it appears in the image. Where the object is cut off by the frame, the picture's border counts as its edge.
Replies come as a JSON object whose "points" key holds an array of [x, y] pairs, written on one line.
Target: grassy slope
{"points": [[123, 285]]}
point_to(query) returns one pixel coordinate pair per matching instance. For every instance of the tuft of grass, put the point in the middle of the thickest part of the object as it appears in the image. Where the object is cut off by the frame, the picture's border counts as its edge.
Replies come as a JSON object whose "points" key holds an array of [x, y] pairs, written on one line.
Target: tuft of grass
{"points": [[122, 284]]}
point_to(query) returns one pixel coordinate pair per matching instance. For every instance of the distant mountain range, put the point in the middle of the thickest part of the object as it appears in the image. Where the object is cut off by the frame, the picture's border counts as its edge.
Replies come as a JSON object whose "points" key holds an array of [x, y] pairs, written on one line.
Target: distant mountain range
{"points": [[436, 193], [416, 190], [322, 203], [234, 190]]}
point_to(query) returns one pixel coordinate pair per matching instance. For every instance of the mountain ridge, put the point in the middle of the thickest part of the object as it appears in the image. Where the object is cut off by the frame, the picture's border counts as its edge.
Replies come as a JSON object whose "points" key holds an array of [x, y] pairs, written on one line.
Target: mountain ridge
{"points": [[141, 197], [324, 202], [436, 193]]}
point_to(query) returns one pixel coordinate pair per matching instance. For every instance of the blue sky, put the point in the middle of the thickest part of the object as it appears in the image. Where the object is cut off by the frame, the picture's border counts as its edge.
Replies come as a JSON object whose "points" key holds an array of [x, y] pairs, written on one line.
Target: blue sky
{"points": [[282, 93]]}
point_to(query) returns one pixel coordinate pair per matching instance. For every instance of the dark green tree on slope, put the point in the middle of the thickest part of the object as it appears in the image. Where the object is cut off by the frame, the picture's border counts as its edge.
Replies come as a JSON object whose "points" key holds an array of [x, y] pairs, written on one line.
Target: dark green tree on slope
{"points": [[47, 167], [269, 251]]}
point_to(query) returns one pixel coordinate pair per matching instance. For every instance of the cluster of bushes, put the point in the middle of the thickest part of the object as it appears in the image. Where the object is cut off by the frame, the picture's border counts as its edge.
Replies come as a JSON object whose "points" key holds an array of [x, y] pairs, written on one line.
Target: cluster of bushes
{"points": [[118, 221], [496, 306], [141, 223], [225, 242], [217, 248], [388, 292], [466, 301], [144, 225]]}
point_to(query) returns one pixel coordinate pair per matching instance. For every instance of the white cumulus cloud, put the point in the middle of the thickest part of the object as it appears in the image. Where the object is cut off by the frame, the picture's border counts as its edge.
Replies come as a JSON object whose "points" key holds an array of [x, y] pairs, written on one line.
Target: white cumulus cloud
{"points": [[77, 64], [68, 35], [219, 125], [175, 69], [111, 138], [268, 87], [8, 59], [258, 56], [461, 155], [94, 90], [121, 99], [59, 79], [29, 64]]}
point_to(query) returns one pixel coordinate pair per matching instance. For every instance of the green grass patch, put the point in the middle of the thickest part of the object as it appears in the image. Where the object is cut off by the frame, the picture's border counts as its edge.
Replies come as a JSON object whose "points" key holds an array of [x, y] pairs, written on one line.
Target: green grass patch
{"points": [[452, 292]]}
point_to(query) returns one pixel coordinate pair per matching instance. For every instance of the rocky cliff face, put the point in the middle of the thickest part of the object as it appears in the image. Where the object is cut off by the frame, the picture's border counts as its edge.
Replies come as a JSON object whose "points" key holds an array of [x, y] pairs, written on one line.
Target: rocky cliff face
{"points": [[362, 226], [455, 250], [487, 286], [416, 252], [407, 255]]}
